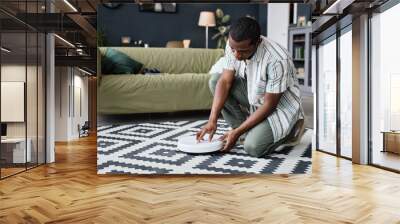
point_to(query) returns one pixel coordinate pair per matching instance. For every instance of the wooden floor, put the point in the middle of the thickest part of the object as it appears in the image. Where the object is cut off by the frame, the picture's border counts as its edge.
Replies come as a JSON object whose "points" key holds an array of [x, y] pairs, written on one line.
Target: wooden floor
{"points": [[10, 171], [387, 159], [69, 191]]}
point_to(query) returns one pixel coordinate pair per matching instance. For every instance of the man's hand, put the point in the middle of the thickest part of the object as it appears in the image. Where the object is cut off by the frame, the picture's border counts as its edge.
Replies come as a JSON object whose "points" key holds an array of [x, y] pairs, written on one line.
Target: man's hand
{"points": [[230, 138], [210, 128], [223, 85]]}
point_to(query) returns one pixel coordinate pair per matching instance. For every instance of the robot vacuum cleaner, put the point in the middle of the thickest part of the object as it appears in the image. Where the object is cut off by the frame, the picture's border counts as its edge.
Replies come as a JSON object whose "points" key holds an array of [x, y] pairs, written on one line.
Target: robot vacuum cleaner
{"points": [[189, 144]]}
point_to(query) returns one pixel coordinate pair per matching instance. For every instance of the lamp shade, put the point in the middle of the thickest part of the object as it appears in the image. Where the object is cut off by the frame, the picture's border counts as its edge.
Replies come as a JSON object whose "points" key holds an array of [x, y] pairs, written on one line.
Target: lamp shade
{"points": [[126, 40], [207, 19]]}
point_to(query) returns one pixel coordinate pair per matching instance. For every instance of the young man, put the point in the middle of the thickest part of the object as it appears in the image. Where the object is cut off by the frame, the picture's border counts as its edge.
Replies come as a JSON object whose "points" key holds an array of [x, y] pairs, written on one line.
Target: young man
{"points": [[257, 93]]}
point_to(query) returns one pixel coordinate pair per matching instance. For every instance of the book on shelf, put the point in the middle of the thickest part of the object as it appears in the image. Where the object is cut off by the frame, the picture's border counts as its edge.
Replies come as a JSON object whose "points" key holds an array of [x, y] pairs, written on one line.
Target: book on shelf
{"points": [[299, 53], [300, 72], [299, 39]]}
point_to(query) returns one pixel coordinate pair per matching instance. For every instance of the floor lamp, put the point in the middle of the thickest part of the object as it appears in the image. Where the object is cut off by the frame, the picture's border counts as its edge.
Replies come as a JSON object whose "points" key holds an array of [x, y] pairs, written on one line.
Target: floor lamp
{"points": [[207, 19]]}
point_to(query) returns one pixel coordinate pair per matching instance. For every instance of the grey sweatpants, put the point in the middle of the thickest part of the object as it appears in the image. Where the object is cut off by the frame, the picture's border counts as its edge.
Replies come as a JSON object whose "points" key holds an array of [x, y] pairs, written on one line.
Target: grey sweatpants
{"points": [[259, 140]]}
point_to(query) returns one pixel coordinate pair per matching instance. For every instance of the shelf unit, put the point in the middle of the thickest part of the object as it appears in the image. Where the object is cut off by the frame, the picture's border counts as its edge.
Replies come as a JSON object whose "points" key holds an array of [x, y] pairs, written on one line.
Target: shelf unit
{"points": [[300, 50]]}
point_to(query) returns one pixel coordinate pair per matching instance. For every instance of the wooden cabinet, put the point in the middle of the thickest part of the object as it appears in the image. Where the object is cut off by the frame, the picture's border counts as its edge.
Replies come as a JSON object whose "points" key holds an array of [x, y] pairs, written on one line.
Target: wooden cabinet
{"points": [[391, 142], [13, 151]]}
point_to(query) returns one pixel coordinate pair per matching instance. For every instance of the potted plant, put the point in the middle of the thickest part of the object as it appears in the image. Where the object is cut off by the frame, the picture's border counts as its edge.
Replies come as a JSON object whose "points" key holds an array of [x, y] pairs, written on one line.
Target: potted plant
{"points": [[101, 38], [222, 27]]}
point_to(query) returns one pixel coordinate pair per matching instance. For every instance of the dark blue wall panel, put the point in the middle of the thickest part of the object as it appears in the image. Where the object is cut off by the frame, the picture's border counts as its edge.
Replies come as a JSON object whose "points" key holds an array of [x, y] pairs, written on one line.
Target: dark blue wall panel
{"points": [[158, 28], [304, 10], [262, 18]]}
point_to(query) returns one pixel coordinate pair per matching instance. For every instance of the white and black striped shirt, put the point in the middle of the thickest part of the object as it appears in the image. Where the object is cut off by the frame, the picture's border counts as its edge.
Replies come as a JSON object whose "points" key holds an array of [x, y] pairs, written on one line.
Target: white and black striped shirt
{"points": [[270, 70]]}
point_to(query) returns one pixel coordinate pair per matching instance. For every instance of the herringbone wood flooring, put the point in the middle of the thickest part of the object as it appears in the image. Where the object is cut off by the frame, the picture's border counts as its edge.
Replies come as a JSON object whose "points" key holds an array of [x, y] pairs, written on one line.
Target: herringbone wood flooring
{"points": [[69, 191]]}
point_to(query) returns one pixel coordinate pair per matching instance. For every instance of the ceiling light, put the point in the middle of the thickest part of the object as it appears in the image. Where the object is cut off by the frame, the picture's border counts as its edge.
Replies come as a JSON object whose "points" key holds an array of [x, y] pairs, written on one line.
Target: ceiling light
{"points": [[84, 71], [337, 7], [64, 40], [70, 5], [79, 51], [5, 50]]}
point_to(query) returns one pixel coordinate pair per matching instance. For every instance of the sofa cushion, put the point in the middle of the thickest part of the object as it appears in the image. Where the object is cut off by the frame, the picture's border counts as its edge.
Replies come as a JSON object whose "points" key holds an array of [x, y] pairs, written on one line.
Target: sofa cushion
{"points": [[116, 62], [173, 60], [128, 94]]}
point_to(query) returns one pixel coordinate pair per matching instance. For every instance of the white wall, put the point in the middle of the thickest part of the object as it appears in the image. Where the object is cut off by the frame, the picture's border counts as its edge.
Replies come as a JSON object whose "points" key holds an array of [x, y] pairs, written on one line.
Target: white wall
{"points": [[62, 81], [34, 125], [82, 82], [12, 73], [12, 101], [17, 73], [81, 104], [71, 93], [278, 23]]}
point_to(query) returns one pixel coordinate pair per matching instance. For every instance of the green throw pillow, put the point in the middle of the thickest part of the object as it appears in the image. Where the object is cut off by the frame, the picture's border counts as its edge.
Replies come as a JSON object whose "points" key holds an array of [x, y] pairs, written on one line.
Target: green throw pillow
{"points": [[115, 62]]}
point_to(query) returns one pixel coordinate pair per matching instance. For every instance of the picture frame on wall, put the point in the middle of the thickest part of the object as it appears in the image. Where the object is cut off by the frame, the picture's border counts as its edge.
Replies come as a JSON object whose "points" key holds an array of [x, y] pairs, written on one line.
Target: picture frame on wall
{"points": [[158, 7]]}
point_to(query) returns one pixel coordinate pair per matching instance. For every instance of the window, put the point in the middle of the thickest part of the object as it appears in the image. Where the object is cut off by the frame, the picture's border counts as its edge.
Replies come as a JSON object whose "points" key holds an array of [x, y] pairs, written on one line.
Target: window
{"points": [[334, 106], [346, 95], [385, 89], [327, 96]]}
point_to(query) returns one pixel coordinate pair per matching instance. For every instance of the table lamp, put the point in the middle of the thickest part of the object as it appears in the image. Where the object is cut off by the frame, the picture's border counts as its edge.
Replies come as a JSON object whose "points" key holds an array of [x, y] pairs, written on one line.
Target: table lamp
{"points": [[207, 19], [125, 40]]}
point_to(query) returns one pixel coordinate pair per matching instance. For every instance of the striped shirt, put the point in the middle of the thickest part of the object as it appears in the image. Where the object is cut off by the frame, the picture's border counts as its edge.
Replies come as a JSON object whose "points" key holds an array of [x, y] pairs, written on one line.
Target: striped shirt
{"points": [[270, 70]]}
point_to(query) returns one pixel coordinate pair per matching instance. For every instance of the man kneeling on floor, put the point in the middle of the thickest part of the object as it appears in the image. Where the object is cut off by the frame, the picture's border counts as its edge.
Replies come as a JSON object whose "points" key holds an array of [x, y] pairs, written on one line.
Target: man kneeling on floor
{"points": [[257, 93]]}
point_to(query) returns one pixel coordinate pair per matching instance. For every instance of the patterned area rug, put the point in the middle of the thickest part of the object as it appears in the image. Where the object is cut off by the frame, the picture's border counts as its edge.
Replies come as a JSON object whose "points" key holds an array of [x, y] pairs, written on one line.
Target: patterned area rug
{"points": [[151, 148]]}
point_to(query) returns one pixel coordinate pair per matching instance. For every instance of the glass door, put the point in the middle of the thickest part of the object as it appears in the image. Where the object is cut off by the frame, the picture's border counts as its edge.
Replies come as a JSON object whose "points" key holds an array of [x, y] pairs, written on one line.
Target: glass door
{"points": [[22, 77], [326, 101], [14, 153], [385, 89], [334, 93]]}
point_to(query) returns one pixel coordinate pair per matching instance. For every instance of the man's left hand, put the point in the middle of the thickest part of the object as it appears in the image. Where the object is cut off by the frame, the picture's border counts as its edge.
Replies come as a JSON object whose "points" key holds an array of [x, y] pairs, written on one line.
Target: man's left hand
{"points": [[230, 138]]}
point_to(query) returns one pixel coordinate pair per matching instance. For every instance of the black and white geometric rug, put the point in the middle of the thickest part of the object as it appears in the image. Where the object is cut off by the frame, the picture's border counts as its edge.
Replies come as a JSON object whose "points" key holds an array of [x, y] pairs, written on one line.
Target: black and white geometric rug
{"points": [[151, 148]]}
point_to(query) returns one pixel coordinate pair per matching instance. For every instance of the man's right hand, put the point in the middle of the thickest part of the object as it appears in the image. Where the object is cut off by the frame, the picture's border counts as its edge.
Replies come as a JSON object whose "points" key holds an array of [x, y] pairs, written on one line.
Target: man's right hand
{"points": [[210, 128], [222, 88]]}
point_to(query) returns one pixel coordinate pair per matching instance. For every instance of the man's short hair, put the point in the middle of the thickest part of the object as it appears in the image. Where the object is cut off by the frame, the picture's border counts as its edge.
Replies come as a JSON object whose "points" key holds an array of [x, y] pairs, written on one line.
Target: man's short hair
{"points": [[245, 28]]}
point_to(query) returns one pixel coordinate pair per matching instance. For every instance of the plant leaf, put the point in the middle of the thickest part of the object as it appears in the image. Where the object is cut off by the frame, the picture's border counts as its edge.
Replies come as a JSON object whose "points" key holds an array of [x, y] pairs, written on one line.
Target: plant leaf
{"points": [[225, 19], [219, 13], [222, 29]]}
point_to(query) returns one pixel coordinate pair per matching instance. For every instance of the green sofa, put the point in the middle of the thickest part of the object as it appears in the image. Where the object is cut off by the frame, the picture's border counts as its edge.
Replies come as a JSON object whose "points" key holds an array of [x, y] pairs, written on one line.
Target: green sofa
{"points": [[182, 86]]}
